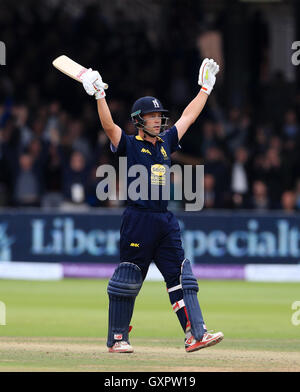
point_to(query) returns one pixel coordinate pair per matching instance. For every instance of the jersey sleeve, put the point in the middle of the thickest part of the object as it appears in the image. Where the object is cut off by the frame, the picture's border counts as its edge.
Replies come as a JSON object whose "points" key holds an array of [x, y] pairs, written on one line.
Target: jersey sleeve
{"points": [[172, 138], [121, 150]]}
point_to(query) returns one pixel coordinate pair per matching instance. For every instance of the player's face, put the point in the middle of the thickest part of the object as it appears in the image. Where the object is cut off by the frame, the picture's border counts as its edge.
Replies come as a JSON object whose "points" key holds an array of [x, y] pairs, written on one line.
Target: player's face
{"points": [[153, 122]]}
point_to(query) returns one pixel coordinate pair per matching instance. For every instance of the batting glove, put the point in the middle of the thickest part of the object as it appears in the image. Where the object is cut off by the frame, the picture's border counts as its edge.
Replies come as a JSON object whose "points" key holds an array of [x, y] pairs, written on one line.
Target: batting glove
{"points": [[93, 84], [207, 75]]}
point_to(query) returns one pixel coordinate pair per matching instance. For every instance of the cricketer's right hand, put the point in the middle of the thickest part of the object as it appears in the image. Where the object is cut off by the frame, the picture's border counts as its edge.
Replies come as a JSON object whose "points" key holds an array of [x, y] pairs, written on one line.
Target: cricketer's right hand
{"points": [[93, 84]]}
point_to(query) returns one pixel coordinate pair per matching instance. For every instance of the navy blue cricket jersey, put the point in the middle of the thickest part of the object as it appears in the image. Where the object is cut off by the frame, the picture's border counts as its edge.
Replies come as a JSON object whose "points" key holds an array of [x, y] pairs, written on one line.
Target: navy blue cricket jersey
{"points": [[153, 157]]}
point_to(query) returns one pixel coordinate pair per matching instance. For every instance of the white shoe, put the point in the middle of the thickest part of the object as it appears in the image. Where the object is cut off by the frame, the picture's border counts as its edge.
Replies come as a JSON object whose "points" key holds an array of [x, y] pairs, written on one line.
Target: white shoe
{"points": [[121, 347], [208, 339]]}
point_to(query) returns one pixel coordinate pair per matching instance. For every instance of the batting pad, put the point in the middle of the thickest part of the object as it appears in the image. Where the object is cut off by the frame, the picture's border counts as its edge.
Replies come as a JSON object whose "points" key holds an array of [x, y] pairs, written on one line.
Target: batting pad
{"points": [[190, 289], [122, 290]]}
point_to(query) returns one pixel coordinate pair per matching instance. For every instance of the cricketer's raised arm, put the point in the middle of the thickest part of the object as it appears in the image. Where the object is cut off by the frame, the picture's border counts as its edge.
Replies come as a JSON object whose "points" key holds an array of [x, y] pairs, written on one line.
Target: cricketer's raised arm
{"points": [[112, 130], [93, 85], [209, 68]]}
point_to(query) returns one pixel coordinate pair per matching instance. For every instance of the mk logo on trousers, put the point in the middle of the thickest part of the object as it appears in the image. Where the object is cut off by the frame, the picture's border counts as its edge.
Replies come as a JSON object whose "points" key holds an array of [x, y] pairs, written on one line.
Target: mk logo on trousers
{"points": [[135, 245]]}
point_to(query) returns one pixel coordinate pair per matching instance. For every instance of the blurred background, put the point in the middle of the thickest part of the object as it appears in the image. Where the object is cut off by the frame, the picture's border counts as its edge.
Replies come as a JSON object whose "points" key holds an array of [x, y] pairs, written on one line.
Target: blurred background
{"points": [[248, 135]]}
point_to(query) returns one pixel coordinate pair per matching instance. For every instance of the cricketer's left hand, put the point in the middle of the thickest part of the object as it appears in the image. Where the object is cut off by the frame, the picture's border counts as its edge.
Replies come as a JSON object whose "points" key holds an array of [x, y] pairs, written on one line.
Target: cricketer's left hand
{"points": [[207, 75]]}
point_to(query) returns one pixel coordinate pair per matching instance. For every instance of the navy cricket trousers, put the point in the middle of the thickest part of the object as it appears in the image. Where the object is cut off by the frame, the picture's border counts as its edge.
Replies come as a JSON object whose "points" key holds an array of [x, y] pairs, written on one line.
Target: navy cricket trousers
{"points": [[147, 236]]}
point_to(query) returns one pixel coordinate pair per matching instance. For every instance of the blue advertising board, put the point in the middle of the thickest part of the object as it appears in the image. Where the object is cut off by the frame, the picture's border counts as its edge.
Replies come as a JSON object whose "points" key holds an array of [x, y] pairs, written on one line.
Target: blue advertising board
{"points": [[208, 237]]}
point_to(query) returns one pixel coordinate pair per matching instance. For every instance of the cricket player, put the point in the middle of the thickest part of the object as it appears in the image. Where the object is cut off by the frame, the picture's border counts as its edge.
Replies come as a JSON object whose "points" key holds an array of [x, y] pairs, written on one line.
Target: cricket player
{"points": [[149, 232]]}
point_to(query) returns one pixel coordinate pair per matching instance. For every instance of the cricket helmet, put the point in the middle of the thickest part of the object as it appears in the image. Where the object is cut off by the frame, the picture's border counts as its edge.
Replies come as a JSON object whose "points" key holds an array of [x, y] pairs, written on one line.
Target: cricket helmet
{"points": [[146, 105]]}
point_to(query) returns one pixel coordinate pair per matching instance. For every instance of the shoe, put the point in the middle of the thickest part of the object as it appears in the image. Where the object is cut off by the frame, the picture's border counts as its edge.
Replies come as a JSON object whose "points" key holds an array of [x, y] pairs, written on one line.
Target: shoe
{"points": [[209, 339], [121, 347]]}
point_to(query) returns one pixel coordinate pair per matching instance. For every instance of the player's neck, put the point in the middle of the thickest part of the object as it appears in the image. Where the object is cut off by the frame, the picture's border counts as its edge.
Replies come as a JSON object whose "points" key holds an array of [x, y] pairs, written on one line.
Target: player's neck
{"points": [[147, 138]]}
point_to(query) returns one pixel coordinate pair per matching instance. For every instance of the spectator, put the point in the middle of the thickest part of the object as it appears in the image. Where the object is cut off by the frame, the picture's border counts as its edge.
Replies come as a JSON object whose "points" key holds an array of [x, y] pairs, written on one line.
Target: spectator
{"points": [[290, 126], [240, 173], [27, 190], [52, 120], [259, 200], [209, 191], [236, 130], [53, 178], [268, 168], [216, 165], [78, 141], [238, 201], [261, 141], [208, 135], [75, 182], [21, 120], [288, 201]]}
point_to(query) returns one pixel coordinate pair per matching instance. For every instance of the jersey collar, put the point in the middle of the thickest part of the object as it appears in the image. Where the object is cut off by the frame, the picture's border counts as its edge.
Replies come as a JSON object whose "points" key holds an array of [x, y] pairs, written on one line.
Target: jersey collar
{"points": [[138, 137]]}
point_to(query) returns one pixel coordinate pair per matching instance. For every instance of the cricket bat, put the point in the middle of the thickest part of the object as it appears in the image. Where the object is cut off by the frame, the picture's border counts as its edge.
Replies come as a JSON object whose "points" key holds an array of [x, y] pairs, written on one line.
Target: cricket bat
{"points": [[69, 67]]}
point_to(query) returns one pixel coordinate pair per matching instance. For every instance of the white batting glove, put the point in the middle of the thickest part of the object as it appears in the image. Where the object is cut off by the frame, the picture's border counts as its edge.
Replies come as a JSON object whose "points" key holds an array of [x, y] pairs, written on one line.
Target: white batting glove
{"points": [[93, 84], [207, 75]]}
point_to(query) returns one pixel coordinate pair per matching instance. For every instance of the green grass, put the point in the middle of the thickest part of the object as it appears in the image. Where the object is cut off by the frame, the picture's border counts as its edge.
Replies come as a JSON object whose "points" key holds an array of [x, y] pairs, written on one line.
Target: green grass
{"points": [[74, 308], [252, 316]]}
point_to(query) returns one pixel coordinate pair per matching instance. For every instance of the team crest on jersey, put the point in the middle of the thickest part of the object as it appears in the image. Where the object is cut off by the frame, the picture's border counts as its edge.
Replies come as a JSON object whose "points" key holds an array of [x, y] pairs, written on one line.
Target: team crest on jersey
{"points": [[146, 151], [163, 151]]}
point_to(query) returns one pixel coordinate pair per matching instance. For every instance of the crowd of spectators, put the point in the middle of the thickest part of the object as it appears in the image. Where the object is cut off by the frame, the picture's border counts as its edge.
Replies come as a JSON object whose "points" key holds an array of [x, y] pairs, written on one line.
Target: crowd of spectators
{"points": [[51, 141]]}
